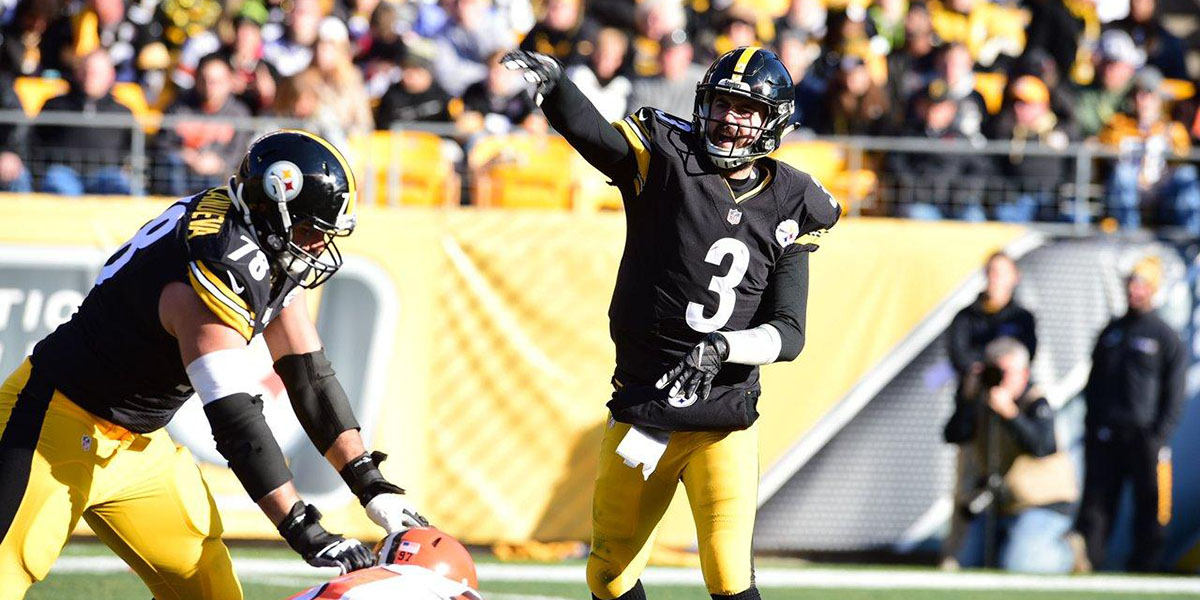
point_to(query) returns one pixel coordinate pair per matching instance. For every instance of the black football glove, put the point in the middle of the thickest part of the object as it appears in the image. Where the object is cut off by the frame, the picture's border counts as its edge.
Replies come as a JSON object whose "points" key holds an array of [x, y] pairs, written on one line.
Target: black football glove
{"points": [[539, 69], [303, 532], [384, 501], [690, 381]]}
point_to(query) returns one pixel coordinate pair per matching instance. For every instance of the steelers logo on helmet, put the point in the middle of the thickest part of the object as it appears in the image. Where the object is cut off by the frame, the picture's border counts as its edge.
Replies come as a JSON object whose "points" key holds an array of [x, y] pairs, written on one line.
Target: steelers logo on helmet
{"points": [[744, 74], [283, 180], [298, 195]]}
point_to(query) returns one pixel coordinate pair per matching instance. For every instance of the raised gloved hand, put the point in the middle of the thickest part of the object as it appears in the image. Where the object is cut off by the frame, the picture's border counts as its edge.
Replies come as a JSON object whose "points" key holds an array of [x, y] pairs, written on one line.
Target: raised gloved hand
{"points": [[690, 380], [539, 69], [303, 531], [383, 500]]}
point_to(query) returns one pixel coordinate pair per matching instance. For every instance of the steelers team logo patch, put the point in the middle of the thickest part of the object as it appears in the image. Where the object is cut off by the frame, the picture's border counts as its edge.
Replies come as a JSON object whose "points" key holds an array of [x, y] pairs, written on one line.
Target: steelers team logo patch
{"points": [[787, 232], [283, 176]]}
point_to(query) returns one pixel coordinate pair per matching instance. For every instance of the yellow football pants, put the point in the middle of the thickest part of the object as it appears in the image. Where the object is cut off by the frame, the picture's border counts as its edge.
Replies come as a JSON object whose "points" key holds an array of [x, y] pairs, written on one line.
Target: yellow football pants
{"points": [[141, 494], [719, 472]]}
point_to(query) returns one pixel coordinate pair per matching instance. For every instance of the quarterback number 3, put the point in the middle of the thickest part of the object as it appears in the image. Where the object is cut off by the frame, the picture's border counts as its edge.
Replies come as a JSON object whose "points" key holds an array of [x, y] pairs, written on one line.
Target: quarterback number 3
{"points": [[723, 285]]}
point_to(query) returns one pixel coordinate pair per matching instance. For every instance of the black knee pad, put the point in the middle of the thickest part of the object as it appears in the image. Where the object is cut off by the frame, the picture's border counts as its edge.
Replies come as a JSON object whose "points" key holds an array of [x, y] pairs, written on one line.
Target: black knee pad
{"points": [[750, 594]]}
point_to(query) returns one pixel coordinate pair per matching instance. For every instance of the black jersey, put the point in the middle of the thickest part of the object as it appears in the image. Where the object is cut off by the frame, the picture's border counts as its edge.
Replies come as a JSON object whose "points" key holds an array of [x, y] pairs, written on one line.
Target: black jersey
{"points": [[113, 357], [697, 259]]}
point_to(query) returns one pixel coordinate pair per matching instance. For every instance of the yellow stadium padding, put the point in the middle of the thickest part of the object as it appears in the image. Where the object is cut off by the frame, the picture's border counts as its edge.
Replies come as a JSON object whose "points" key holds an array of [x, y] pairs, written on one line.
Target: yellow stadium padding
{"points": [[827, 162], [404, 167], [35, 91], [592, 191], [522, 171], [991, 87]]}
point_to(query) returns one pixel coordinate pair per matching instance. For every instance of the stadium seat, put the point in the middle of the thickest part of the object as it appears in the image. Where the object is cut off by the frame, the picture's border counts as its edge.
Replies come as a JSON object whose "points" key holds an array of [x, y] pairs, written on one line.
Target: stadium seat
{"points": [[1179, 89], [404, 167], [827, 162], [35, 91], [592, 191], [522, 171], [991, 87]]}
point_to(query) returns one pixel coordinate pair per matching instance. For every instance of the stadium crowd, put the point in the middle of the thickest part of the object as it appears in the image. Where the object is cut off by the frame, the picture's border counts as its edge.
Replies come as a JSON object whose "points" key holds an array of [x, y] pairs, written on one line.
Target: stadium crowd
{"points": [[1036, 73]]}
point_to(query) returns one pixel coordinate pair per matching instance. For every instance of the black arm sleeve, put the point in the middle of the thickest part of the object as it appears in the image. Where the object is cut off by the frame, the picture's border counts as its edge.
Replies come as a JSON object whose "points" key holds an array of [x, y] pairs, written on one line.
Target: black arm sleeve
{"points": [[958, 341], [245, 440], [1028, 332], [596, 140], [960, 429], [1034, 428], [1174, 386], [785, 301], [317, 397]]}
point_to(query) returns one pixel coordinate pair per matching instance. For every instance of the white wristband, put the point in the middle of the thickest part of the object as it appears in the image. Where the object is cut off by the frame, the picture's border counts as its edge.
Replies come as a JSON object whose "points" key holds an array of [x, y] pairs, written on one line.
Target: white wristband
{"points": [[758, 346], [222, 373]]}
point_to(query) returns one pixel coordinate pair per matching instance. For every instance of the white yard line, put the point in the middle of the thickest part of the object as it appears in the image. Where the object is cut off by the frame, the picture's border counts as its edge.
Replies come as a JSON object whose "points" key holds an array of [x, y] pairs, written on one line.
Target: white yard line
{"points": [[766, 578]]}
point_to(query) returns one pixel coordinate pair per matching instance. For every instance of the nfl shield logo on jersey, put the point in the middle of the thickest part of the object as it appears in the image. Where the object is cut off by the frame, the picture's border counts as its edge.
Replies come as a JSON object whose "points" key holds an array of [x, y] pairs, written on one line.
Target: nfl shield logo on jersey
{"points": [[734, 216]]}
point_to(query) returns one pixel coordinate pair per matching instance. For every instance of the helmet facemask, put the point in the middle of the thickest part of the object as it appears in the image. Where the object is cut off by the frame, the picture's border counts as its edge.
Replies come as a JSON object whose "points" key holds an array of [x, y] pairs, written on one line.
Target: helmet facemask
{"points": [[307, 268], [305, 251], [766, 137]]}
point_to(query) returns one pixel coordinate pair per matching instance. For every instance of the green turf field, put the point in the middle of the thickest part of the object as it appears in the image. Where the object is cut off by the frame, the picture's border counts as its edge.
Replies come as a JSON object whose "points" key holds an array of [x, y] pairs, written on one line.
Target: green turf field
{"points": [[124, 585]]}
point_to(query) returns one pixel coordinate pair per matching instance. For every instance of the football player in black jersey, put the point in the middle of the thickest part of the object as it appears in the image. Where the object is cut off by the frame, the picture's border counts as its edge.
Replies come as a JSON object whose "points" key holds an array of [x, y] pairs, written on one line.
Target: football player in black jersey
{"points": [[712, 284], [171, 314]]}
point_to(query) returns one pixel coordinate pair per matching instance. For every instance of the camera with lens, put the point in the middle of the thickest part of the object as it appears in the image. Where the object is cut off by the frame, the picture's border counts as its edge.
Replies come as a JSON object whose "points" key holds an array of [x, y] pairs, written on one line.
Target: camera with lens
{"points": [[991, 376]]}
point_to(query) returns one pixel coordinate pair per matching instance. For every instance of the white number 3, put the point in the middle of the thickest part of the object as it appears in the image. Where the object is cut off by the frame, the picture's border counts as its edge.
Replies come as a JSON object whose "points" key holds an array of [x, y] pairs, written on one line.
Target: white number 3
{"points": [[723, 285]]}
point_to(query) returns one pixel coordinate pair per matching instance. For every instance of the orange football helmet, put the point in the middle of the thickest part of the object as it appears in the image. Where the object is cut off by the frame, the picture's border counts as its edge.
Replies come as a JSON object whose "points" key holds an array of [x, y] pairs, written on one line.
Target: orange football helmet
{"points": [[432, 549]]}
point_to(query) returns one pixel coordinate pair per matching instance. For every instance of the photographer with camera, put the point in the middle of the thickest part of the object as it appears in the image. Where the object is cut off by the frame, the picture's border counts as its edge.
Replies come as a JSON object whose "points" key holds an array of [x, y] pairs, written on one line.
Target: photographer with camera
{"points": [[1020, 506], [994, 314]]}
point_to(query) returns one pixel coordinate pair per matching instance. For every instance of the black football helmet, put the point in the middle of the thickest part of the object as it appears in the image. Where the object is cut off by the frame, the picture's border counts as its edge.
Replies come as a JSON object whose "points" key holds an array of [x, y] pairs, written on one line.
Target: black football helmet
{"points": [[297, 193], [754, 73]]}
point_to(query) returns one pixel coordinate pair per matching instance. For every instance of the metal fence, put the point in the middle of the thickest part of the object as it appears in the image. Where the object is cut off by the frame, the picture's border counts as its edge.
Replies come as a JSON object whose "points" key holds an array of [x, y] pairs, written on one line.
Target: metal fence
{"points": [[907, 177], [1080, 195]]}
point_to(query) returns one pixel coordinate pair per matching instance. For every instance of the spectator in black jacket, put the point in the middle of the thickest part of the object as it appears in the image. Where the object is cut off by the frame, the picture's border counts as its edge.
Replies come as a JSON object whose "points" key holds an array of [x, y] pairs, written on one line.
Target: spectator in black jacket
{"points": [[1163, 50], [564, 32], [994, 314], [932, 185], [416, 97], [912, 66], [14, 177], [201, 153], [1020, 504], [1030, 182], [73, 160], [1134, 398]]}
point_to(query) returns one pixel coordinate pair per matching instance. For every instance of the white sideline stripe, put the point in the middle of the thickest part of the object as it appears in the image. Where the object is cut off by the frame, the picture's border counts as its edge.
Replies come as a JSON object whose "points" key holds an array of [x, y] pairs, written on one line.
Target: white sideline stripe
{"points": [[766, 578]]}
